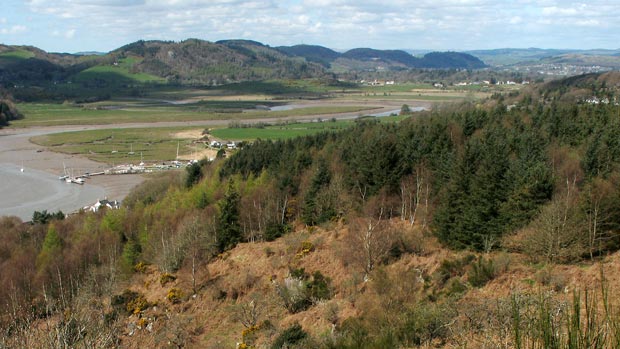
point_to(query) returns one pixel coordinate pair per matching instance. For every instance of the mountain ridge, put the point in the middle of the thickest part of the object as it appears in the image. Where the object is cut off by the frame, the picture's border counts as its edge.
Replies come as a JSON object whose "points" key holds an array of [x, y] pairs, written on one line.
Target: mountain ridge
{"points": [[196, 61]]}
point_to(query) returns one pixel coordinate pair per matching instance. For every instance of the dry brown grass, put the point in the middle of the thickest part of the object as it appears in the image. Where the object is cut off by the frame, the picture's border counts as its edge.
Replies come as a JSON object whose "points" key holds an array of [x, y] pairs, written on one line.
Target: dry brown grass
{"points": [[249, 271]]}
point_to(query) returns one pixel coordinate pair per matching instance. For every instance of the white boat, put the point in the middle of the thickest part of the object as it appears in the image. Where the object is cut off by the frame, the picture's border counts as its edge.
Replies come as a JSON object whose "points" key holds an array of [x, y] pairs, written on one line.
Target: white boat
{"points": [[64, 176]]}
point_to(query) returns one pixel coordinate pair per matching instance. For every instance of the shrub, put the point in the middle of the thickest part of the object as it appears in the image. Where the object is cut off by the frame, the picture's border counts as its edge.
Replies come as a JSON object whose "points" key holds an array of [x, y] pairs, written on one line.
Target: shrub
{"points": [[452, 268], [482, 272], [455, 288], [174, 296], [291, 336], [553, 278], [275, 230], [166, 278], [300, 290], [305, 248], [318, 287], [133, 302], [140, 267]]}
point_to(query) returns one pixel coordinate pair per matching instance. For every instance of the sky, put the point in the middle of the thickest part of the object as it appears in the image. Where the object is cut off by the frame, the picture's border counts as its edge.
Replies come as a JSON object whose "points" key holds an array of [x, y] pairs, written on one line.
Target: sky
{"points": [[104, 25]]}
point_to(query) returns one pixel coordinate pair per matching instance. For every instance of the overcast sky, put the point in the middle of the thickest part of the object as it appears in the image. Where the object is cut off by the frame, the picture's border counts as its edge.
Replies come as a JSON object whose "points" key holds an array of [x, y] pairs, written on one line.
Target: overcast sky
{"points": [[103, 25]]}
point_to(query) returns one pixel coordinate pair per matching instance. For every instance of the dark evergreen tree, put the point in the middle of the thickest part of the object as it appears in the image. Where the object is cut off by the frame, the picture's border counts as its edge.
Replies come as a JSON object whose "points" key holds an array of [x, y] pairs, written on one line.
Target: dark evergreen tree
{"points": [[194, 174], [228, 227], [313, 211]]}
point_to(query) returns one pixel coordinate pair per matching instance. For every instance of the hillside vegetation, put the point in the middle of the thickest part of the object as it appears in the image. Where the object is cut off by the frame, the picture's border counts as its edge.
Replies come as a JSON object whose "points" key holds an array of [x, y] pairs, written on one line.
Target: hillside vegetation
{"points": [[459, 225]]}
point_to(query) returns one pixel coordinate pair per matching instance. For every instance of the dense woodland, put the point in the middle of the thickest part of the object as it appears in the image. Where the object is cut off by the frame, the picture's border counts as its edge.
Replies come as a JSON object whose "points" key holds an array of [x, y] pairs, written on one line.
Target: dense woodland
{"points": [[535, 173]]}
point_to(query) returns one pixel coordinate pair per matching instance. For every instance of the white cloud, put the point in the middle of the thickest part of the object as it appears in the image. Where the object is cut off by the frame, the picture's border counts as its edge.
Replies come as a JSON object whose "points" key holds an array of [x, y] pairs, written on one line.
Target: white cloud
{"points": [[2, 20], [69, 34], [16, 29], [559, 11], [515, 20], [335, 23]]}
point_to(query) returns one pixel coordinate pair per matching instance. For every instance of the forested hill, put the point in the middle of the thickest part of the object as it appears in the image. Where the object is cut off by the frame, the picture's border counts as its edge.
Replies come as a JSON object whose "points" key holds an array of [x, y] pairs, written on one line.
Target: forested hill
{"points": [[187, 62], [362, 57], [196, 61], [312, 53]]}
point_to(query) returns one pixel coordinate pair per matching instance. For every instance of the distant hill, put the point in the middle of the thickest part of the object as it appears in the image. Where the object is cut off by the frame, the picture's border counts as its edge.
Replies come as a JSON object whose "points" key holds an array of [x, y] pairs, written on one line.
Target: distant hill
{"points": [[609, 61], [188, 62], [509, 56], [581, 87], [195, 61], [451, 60], [393, 57], [368, 58], [312, 53]]}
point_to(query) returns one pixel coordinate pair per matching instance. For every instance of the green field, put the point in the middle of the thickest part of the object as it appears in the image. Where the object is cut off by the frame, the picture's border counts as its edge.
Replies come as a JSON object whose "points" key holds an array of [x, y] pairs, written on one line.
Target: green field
{"points": [[113, 146], [290, 130], [17, 54], [281, 131], [120, 73], [12, 57]]}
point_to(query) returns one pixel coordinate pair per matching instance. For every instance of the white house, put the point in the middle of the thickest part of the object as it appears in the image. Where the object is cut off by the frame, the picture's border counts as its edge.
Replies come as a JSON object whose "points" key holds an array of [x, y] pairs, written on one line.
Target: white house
{"points": [[105, 203]]}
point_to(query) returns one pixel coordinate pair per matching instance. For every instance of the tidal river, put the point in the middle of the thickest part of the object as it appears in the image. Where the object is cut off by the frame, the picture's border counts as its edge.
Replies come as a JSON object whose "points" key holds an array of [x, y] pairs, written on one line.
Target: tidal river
{"points": [[35, 190], [38, 188]]}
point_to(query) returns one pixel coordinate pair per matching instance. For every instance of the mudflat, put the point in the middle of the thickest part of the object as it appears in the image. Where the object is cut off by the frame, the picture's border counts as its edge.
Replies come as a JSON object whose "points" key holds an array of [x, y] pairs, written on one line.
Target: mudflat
{"points": [[38, 188]]}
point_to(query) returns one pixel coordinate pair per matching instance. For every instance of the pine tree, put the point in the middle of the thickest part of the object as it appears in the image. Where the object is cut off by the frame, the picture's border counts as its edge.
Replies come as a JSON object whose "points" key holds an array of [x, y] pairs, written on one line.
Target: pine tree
{"points": [[228, 227]]}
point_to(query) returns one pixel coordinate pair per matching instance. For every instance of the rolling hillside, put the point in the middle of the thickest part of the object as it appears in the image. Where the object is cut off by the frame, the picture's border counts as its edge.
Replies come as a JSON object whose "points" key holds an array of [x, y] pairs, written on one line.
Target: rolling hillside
{"points": [[199, 62], [509, 56], [368, 58]]}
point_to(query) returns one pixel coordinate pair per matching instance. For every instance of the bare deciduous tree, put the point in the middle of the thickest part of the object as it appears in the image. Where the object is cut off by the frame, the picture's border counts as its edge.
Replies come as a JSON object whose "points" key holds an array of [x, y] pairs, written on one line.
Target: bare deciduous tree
{"points": [[556, 234], [369, 242], [414, 194]]}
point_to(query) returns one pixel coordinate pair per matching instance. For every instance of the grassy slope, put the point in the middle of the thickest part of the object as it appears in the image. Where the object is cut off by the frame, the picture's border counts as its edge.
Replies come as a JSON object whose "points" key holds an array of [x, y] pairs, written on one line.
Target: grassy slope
{"points": [[17, 54], [117, 73], [247, 272], [11, 57]]}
